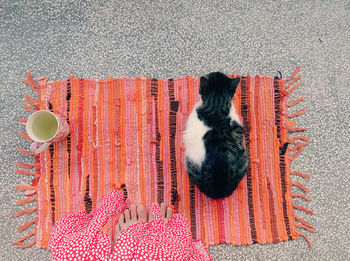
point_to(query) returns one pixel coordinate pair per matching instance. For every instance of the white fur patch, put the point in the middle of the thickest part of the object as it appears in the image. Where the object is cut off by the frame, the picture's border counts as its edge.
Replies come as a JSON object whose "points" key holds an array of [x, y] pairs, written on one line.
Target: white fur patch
{"points": [[193, 137], [233, 114]]}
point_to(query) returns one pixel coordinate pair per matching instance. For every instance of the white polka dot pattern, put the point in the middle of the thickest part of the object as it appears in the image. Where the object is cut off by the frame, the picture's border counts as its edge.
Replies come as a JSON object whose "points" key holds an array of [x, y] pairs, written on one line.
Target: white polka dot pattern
{"points": [[79, 236]]}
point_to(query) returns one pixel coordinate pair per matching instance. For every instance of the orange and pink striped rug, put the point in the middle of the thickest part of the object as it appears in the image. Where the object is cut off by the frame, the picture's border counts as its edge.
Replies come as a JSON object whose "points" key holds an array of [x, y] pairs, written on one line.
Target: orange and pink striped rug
{"points": [[127, 133]]}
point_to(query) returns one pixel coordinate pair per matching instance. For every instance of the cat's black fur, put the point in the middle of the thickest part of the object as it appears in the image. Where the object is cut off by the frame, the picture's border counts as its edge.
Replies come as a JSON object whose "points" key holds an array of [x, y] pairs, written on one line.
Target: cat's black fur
{"points": [[226, 160]]}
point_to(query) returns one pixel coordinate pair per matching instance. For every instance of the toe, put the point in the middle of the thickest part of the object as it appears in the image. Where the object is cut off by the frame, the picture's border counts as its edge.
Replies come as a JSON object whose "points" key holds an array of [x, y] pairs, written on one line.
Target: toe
{"points": [[169, 213], [150, 215], [121, 219], [117, 231], [127, 215], [142, 213], [119, 225], [163, 209], [133, 214]]}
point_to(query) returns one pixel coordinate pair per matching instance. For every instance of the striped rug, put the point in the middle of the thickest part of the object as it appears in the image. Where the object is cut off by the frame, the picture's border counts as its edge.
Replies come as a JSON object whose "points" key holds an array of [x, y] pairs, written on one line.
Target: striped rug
{"points": [[127, 133]]}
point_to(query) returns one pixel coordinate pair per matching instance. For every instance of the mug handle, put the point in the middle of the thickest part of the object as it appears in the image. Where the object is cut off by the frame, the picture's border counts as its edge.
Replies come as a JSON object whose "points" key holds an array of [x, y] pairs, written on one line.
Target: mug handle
{"points": [[36, 148]]}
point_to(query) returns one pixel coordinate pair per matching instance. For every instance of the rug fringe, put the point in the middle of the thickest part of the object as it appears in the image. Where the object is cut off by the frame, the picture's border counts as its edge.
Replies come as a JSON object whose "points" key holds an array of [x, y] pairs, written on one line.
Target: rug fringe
{"points": [[293, 74], [22, 121], [300, 174], [293, 81], [294, 87], [299, 195], [294, 140], [31, 82], [25, 165], [296, 129], [298, 148], [19, 243], [297, 144], [27, 211], [298, 184], [29, 190], [24, 188], [25, 135], [25, 152], [301, 208], [28, 108], [302, 221], [305, 227], [24, 172], [26, 200], [31, 100], [300, 112], [306, 238], [295, 101], [27, 225]]}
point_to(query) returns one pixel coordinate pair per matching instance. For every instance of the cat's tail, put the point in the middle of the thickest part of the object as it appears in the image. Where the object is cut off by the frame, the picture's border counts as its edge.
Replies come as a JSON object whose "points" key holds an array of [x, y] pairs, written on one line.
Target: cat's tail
{"points": [[194, 172], [215, 178]]}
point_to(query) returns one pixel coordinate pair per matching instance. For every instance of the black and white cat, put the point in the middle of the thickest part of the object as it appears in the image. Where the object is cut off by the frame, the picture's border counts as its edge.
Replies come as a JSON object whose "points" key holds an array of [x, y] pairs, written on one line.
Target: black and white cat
{"points": [[216, 159]]}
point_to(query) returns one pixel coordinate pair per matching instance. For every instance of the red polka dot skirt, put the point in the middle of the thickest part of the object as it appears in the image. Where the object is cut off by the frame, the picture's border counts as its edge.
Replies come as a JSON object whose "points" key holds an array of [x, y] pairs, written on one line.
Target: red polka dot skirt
{"points": [[79, 237]]}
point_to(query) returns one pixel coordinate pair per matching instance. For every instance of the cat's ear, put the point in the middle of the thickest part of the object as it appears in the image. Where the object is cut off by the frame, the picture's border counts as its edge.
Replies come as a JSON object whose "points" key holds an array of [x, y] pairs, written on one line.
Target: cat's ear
{"points": [[234, 83], [203, 85]]}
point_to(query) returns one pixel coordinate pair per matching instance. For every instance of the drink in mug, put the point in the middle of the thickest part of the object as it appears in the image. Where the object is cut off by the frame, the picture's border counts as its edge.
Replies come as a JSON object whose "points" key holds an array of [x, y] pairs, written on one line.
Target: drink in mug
{"points": [[44, 127]]}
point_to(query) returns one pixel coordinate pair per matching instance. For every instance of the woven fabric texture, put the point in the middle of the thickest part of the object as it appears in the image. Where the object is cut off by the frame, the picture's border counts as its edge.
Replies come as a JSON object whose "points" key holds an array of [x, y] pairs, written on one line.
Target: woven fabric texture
{"points": [[127, 134]]}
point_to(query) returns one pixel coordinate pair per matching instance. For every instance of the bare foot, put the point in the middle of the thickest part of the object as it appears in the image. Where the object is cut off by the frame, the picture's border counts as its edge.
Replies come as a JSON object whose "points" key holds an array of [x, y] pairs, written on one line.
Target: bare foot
{"points": [[130, 217], [137, 214], [164, 210]]}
